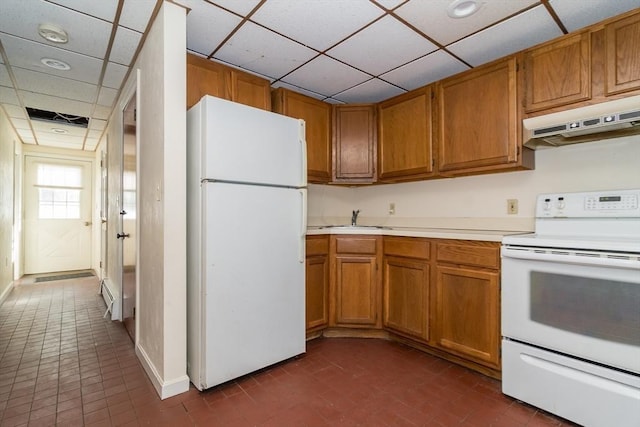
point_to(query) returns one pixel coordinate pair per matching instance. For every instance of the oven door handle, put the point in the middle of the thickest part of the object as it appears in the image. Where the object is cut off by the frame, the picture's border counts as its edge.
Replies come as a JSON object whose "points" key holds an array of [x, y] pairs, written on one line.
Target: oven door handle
{"points": [[589, 258]]}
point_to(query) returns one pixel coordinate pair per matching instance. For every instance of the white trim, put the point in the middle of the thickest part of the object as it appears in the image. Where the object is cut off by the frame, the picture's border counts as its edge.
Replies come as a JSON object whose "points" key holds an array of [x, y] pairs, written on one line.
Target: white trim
{"points": [[165, 389], [6, 292]]}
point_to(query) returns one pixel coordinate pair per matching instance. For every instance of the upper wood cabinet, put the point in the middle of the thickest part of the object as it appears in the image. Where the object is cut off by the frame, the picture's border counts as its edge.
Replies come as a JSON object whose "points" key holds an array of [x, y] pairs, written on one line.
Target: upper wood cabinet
{"points": [[206, 77], [558, 73], [622, 46], [479, 122], [354, 143], [317, 117], [405, 148]]}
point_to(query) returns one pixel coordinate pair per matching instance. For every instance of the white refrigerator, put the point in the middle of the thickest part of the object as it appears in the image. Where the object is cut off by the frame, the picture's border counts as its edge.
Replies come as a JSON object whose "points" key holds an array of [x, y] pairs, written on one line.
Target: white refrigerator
{"points": [[246, 193]]}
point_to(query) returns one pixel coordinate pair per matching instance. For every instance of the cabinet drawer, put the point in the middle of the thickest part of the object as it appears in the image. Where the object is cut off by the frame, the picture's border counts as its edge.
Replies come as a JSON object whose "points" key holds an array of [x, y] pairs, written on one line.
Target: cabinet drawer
{"points": [[356, 245], [406, 247], [317, 245], [479, 254]]}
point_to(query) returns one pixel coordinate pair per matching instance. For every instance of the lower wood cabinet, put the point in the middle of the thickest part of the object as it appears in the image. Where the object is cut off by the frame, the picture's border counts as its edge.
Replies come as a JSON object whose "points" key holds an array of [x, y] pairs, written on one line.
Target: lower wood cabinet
{"points": [[317, 283], [467, 295], [355, 285]]}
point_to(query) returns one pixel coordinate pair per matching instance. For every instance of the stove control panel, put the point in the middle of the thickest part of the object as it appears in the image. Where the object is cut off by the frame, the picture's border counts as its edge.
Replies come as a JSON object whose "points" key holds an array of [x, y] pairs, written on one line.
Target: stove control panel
{"points": [[620, 204]]}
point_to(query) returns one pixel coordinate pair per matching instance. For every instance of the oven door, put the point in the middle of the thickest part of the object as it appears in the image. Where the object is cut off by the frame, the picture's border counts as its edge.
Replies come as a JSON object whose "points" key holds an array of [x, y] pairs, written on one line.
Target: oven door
{"points": [[585, 304]]}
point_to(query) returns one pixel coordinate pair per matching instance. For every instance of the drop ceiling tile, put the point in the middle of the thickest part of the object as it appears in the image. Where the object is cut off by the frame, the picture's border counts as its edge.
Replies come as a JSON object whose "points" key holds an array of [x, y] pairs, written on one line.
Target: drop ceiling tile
{"points": [[8, 96], [103, 9], [363, 49], [25, 134], [428, 69], [574, 15], [5, 80], [21, 124], [95, 124], [53, 103], [114, 75], [431, 17], [333, 101], [263, 51], [90, 144], [87, 35], [101, 112], [318, 24], [370, 91], [297, 89], [15, 111], [45, 128], [34, 81], [326, 76], [136, 14], [96, 134], [202, 37], [62, 141], [520, 32], [124, 46], [107, 96], [27, 54], [242, 7], [389, 4]]}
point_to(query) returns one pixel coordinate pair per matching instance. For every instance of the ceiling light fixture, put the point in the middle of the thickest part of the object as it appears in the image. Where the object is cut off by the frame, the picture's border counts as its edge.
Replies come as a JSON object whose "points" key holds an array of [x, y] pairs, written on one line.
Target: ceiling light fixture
{"points": [[59, 131], [56, 64], [53, 33], [463, 8]]}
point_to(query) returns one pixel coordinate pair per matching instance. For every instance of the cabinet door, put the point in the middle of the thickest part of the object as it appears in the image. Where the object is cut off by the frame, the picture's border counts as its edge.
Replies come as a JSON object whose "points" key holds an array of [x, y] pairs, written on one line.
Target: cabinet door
{"points": [[250, 90], [558, 73], [478, 119], [356, 296], [406, 296], [317, 117], [317, 291], [405, 136], [467, 313], [204, 77], [622, 44], [354, 139]]}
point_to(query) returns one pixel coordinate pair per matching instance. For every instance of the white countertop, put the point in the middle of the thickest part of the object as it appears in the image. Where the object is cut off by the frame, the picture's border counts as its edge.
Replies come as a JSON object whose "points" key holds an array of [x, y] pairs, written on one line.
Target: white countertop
{"points": [[435, 233]]}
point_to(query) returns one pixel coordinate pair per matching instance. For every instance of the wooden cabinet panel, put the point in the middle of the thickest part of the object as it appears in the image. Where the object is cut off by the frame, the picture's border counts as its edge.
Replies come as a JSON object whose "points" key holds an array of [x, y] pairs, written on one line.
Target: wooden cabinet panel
{"points": [[406, 247], [317, 117], [558, 73], [317, 282], [467, 314], [356, 245], [406, 296], [622, 44], [356, 297], [478, 254], [479, 122], [250, 90], [354, 143], [405, 149]]}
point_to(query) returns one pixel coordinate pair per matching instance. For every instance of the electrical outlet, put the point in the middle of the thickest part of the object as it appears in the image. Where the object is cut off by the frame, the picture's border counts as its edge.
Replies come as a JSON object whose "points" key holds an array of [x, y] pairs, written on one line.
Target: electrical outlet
{"points": [[512, 206], [392, 208]]}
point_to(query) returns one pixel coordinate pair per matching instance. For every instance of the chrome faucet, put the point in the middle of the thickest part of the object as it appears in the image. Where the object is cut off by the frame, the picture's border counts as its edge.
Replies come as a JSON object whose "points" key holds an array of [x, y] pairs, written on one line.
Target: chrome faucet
{"points": [[354, 218]]}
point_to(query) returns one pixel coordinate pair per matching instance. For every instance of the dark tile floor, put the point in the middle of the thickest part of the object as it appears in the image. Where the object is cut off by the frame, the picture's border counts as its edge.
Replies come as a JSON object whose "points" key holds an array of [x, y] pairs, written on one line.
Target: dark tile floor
{"points": [[62, 363]]}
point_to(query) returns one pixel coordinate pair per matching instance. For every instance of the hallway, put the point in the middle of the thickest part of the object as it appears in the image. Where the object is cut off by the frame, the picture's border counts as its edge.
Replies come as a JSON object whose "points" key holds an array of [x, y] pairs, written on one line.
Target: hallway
{"points": [[62, 363]]}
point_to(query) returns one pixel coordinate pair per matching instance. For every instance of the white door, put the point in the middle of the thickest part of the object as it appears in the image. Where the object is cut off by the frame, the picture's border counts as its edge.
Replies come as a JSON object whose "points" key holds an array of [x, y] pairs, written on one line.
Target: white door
{"points": [[57, 215]]}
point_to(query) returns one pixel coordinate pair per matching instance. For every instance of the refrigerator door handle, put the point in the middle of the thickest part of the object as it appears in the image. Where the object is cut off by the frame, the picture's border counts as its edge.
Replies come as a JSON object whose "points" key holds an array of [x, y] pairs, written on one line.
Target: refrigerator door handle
{"points": [[303, 226], [303, 153]]}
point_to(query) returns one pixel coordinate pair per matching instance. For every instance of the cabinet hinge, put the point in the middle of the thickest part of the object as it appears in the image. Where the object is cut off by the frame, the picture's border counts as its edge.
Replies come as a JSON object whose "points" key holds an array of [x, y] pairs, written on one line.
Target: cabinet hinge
{"points": [[517, 66], [100, 264], [135, 114]]}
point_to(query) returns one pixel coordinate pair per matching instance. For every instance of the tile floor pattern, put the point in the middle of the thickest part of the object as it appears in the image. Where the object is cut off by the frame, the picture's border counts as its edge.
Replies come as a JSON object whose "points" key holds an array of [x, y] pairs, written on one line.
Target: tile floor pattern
{"points": [[62, 363]]}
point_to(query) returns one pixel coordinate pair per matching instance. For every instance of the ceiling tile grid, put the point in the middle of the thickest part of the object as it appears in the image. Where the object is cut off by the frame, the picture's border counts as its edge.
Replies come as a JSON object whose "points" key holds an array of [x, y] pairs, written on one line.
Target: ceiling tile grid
{"points": [[339, 51]]}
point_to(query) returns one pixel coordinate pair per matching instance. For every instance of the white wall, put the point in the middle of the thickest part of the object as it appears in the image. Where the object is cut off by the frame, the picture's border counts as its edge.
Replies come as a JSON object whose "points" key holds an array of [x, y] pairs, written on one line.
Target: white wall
{"points": [[161, 124], [8, 139], [480, 201]]}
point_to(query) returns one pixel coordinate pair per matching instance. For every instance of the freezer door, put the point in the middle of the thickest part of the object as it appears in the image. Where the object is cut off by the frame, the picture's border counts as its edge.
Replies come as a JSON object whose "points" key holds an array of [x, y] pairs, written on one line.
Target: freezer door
{"points": [[254, 278], [246, 144]]}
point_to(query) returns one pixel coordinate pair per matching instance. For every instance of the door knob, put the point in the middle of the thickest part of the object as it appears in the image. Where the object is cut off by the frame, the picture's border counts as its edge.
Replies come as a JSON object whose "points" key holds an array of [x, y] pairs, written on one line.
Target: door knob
{"points": [[87, 223], [122, 235]]}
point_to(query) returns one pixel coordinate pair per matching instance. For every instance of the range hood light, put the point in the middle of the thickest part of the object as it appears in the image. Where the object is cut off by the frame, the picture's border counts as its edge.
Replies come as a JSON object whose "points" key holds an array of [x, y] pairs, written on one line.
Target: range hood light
{"points": [[53, 33], [463, 8]]}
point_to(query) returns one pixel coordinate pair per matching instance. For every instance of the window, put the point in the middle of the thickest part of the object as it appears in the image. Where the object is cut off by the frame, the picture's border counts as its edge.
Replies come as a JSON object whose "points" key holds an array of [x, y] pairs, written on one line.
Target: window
{"points": [[59, 191]]}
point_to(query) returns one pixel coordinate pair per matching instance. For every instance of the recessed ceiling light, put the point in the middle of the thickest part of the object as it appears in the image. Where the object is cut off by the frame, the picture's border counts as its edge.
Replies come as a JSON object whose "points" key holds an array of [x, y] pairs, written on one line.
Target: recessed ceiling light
{"points": [[59, 131], [463, 8], [56, 64], [53, 33]]}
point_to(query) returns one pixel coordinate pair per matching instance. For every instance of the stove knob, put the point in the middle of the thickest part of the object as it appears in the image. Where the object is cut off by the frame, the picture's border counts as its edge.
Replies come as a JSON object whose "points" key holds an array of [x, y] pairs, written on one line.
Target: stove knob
{"points": [[547, 204], [561, 204]]}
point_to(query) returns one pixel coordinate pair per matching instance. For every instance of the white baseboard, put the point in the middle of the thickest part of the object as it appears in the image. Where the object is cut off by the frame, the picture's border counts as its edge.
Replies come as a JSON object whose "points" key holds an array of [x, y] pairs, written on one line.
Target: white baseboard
{"points": [[6, 293], [165, 389]]}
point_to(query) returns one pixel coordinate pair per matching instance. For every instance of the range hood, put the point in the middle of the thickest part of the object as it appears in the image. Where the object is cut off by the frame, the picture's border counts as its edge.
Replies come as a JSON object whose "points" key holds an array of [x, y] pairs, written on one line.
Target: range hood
{"points": [[610, 119]]}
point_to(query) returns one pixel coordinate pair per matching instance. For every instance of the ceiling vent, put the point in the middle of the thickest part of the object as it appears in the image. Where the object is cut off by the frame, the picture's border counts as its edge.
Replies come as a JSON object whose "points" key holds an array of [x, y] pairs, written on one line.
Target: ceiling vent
{"points": [[57, 118]]}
